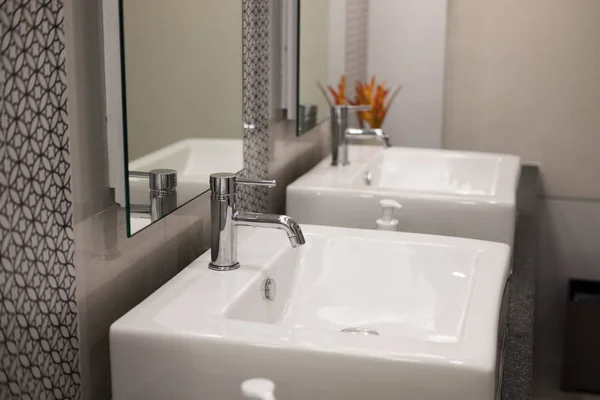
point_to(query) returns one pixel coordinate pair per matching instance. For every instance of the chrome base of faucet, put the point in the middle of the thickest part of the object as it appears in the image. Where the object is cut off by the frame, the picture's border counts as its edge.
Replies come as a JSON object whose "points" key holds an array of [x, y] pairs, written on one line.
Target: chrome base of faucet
{"points": [[337, 163], [221, 268]]}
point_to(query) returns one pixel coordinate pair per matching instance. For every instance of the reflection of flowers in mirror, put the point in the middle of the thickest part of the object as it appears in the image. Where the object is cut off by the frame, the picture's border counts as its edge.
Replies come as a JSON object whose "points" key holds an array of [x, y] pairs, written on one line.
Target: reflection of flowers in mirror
{"points": [[339, 96], [366, 93]]}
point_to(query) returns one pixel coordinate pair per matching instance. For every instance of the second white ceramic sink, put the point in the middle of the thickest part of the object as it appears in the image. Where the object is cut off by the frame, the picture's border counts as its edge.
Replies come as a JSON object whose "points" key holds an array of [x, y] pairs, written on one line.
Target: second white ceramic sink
{"points": [[442, 192], [416, 296], [425, 312]]}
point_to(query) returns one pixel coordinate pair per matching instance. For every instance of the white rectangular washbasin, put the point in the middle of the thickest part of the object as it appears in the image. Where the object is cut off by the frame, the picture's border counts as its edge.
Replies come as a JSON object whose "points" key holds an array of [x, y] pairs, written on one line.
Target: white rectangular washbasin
{"points": [[194, 160], [434, 303], [442, 192]]}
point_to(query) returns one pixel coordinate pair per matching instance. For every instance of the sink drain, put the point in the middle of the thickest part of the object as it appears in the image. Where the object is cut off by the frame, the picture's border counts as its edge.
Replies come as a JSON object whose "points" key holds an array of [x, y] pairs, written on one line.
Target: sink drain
{"points": [[361, 331]]}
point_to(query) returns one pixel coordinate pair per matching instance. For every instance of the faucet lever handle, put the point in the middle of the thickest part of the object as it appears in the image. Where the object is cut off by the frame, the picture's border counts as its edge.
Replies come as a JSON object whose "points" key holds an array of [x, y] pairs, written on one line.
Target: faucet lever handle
{"points": [[256, 182], [359, 107], [225, 183], [350, 107], [159, 179]]}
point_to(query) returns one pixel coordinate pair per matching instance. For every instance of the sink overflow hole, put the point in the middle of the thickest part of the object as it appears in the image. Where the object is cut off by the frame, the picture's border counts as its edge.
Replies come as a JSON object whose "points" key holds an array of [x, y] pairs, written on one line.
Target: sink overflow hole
{"points": [[361, 331], [269, 289]]}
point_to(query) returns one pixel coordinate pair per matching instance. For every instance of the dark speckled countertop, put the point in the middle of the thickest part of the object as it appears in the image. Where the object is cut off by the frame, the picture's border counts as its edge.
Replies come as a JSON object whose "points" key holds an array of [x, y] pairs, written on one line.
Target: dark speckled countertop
{"points": [[517, 375]]}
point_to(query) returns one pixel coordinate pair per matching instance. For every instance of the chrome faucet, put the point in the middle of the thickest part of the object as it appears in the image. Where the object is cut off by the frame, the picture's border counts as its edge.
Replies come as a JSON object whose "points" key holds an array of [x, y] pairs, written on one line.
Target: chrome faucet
{"points": [[162, 192], [340, 132], [225, 219]]}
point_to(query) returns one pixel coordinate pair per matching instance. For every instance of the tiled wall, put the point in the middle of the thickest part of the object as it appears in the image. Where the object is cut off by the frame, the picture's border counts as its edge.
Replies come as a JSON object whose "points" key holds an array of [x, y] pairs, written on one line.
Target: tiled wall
{"points": [[256, 102], [39, 344]]}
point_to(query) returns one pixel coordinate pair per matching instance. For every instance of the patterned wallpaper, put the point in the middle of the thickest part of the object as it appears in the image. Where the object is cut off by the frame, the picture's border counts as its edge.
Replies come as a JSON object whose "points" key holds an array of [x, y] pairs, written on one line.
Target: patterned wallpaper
{"points": [[256, 92], [39, 343], [38, 315], [357, 31]]}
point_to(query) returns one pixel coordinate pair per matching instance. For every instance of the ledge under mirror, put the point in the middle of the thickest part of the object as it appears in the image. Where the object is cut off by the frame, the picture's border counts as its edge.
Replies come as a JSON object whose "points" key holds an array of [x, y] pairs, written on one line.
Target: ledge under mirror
{"points": [[179, 88]]}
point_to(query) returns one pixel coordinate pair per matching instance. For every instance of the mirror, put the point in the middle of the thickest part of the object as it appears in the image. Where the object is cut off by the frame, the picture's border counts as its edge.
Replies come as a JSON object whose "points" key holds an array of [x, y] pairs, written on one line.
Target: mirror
{"points": [[182, 101], [399, 43], [320, 59]]}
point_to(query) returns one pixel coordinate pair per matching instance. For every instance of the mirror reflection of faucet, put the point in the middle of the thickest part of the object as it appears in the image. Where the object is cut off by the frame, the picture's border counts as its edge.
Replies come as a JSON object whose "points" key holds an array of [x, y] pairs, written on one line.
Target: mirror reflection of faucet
{"points": [[162, 193], [340, 132], [307, 117]]}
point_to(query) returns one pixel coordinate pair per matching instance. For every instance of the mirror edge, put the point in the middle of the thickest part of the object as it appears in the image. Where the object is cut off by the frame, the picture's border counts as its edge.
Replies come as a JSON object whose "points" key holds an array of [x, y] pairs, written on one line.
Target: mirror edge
{"points": [[113, 111]]}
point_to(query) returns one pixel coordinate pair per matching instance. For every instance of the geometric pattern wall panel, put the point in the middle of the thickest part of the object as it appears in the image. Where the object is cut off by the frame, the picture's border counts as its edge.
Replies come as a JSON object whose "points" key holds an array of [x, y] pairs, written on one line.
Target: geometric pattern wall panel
{"points": [[256, 92], [357, 32], [38, 314]]}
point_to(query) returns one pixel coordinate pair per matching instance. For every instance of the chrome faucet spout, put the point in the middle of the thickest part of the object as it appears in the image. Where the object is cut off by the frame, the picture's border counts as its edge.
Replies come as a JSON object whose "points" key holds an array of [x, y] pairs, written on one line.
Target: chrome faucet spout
{"points": [[340, 132], [162, 193], [274, 221], [356, 133]]}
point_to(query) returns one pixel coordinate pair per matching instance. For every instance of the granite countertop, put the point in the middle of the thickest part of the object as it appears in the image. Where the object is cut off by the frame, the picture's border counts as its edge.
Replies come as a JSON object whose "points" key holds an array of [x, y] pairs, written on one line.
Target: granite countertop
{"points": [[517, 374]]}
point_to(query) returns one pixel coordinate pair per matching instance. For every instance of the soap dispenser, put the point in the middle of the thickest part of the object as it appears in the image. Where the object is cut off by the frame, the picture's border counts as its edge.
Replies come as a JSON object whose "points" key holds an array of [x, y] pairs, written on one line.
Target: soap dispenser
{"points": [[258, 389], [387, 222]]}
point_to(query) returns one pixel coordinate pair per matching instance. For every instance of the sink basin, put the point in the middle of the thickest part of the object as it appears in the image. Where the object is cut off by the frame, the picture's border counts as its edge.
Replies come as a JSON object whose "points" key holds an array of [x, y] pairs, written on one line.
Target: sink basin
{"points": [[193, 159], [427, 310], [442, 192]]}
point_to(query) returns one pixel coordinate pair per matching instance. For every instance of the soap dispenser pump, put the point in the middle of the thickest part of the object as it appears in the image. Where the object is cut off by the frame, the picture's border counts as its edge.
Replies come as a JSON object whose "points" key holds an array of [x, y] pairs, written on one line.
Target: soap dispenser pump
{"points": [[258, 389], [387, 222]]}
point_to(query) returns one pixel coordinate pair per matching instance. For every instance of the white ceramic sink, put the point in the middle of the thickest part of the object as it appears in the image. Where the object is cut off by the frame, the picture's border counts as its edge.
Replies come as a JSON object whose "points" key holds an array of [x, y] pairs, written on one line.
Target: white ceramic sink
{"points": [[442, 192], [194, 160], [434, 301]]}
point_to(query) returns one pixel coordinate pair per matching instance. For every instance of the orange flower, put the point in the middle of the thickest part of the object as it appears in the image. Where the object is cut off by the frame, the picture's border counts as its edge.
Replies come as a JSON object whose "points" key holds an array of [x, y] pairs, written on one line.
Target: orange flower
{"points": [[373, 94], [339, 97]]}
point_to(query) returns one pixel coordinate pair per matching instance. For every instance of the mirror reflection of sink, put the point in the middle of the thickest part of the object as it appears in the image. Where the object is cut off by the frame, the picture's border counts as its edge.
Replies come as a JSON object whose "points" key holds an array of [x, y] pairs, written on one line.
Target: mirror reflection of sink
{"points": [[443, 192], [139, 222], [424, 311], [193, 159]]}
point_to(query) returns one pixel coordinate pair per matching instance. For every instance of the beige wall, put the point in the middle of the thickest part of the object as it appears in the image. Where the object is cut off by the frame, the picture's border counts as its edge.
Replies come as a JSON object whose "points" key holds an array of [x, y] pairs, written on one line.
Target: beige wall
{"points": [[523, 77], [314, 54], [184, 71]]}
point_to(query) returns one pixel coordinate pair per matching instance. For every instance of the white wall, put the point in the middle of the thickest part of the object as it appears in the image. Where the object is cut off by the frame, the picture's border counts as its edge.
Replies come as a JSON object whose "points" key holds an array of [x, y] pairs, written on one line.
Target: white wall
{"points": [[523, 77], [184, 71], [314, 53], [337, 40], [407, 41]]}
